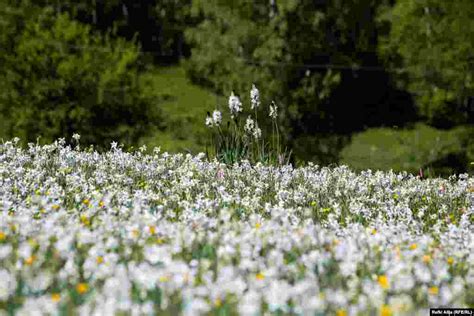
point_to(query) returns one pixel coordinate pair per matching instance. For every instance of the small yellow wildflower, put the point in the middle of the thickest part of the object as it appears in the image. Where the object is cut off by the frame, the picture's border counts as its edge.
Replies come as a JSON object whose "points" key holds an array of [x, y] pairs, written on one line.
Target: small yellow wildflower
{"points": [[426, 258], [32, 242], [55, 297], [450, 260], [413, 246], [258, 225], [374, 231], [42, 211], [218, 302], [3, 236], [82, 288], [100, 259], [164, 278], [152, 229], [29, 261], [101, 204], [383, 282], [135, 233], [385, 310], [55, 207], [434, 290], [259, 276], [85, 220], [86, 201], [341, 312]]}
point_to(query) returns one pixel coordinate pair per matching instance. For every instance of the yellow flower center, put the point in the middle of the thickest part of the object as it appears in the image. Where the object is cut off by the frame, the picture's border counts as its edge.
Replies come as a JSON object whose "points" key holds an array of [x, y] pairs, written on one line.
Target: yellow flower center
{"points": [[383, 282], [259, 276], [341, 312], [100, 259], [85, 220], [385, 310], [434, 290], [413, 246], [29, 261], [450, 260], [3, 236], [82, 288], [426, 259], [55, 297]]}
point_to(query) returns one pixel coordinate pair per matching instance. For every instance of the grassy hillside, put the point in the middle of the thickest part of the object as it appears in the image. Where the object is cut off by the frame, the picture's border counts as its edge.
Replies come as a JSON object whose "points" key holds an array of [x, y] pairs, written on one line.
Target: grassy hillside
{"points": [[184, 106]]}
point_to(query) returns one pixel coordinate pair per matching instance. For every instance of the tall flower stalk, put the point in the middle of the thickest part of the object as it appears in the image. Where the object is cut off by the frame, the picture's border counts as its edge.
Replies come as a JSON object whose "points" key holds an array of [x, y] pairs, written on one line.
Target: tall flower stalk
{"points": [[243, 139]]}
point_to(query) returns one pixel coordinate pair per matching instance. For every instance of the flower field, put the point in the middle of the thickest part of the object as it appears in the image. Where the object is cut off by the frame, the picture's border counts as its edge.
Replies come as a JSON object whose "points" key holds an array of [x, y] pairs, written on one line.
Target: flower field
{"points": [[142, 234]]}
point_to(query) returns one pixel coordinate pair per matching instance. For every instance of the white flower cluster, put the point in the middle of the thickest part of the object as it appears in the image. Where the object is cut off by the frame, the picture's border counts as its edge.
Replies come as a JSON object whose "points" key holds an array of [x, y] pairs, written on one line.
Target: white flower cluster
{"points": [[254, 97], [215, 119], [235, 106], [273, 110], [130, 233]]}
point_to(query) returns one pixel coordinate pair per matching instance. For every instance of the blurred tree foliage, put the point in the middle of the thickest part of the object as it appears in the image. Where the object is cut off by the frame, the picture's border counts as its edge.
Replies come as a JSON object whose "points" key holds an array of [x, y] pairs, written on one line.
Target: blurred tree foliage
{"points": [[284, 47], [433, 41], [59, 78], [157, 25], [335, 68]]}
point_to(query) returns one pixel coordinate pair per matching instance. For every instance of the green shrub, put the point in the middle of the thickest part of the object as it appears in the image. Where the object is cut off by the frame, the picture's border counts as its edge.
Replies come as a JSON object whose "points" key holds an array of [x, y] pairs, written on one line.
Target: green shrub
{"points": [[432, 41], [437, 152], [59, 78]]}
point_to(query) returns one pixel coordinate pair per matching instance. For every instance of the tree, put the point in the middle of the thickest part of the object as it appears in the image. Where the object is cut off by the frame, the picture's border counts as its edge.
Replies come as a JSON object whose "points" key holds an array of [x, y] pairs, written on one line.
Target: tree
{"points": [[432, 41], [59, 78], [270, 43]]}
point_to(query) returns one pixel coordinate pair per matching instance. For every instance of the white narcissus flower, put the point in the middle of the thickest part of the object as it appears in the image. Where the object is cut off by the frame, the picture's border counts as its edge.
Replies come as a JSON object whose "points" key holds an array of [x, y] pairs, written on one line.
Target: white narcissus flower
{"points": [[249, 125], [254, 97], [235, 106], [273, 110], [257, 132], [217, 117], [167, 224], [209, 121]]}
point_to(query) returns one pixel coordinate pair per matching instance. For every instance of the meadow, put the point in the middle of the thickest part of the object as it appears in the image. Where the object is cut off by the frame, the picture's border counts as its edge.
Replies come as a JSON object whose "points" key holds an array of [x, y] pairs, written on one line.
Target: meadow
{"points": [[137, 233]]}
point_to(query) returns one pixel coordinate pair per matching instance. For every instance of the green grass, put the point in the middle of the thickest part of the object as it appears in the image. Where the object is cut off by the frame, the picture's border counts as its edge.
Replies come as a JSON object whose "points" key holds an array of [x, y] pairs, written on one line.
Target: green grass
{"points": [[441, 151], [184, 106]]}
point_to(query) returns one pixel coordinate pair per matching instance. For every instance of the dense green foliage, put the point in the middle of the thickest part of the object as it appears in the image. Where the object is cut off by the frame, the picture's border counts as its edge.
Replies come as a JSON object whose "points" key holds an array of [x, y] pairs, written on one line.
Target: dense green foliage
{"points": [[250, 41], [334, 68], [59, 78], [432, 40]]}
